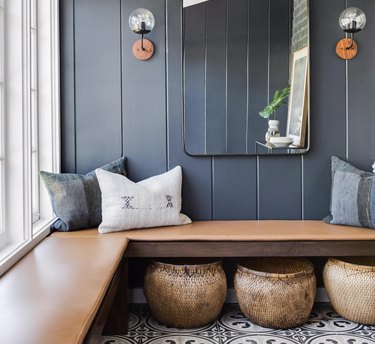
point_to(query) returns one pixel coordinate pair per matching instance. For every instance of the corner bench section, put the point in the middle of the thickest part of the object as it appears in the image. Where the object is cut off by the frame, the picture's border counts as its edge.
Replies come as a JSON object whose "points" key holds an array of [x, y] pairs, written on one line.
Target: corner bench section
{"points": [[54, 293], [240, 239]]}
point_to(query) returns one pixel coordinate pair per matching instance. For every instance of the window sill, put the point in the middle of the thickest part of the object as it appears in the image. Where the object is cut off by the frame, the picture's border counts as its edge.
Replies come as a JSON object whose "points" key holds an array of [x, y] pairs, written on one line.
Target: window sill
{"points": [[12, 253]]}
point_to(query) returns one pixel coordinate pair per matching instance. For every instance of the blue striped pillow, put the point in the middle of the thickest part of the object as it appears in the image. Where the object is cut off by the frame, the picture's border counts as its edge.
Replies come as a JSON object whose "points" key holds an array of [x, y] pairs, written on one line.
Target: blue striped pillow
{"points": [[76, 199], [352, 196]]}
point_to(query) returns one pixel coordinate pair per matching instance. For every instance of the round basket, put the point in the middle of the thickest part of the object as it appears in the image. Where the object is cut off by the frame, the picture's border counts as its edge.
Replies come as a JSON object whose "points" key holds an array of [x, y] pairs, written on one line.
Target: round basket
{"points": [[350, 285], [276, 292], [185, 296]]}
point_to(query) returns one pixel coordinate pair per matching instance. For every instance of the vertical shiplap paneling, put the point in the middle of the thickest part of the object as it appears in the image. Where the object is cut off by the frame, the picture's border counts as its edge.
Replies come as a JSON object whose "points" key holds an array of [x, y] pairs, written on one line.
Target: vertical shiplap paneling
{"points": [[361, 102], [280, 179], [144, 96], [194, 77], [234, 188], [234, 178], [328, 129], [68, 139], [258, 70], [216, 76], [98, 82], [237, 59], [197, 200], [280, 183]]}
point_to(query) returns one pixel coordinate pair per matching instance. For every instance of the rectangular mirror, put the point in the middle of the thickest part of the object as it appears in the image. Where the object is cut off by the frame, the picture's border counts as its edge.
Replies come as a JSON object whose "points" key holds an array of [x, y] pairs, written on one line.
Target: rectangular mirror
{"points": [[237, 55]]}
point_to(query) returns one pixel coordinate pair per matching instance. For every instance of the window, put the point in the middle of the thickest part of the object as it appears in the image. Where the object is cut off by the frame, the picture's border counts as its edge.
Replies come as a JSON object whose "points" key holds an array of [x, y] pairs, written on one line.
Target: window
{"points": [[29, 122], [34, 109], [2, 131]]}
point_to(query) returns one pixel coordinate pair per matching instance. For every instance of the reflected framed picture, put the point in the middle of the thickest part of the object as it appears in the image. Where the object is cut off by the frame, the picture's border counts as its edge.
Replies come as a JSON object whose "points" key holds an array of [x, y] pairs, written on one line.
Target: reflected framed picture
{"points": [[298, 98]]}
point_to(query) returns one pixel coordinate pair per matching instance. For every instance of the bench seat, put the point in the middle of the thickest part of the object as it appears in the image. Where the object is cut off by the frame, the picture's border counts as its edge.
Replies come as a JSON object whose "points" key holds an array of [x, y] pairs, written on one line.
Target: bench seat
{"points": [[263, 238], [53, 294], [264, 230]]}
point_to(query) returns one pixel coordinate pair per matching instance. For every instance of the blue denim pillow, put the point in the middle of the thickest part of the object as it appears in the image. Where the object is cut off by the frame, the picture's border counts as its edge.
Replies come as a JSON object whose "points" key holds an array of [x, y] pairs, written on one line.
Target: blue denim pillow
{"points": [[352, 196], [76, 199]]}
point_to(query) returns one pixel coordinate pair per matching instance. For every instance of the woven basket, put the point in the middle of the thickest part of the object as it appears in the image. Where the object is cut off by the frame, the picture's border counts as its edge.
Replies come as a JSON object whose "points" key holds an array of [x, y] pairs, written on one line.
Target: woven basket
{"points": [[350, 285], [185, 296], [276, 292]]}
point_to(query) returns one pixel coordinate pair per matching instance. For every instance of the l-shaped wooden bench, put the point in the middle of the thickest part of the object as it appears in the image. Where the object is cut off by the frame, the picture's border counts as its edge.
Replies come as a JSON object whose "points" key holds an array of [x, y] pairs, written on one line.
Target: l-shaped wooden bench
{"points": [[73, 285]]}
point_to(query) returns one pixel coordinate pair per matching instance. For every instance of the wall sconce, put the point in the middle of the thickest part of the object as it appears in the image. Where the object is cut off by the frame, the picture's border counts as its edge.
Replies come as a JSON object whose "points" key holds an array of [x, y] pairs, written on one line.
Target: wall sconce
{"points": [[142, 21], [352, 20]]}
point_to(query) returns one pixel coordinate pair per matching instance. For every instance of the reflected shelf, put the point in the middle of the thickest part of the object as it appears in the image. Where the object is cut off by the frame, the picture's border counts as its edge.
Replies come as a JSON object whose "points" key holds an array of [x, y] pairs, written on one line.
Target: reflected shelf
{"points": [[269, 148]]}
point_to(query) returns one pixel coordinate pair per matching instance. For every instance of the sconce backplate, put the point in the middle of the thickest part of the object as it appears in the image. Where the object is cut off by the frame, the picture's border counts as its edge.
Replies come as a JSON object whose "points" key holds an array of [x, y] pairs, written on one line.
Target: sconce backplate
{"points": [[343, 52], [146, 53]]}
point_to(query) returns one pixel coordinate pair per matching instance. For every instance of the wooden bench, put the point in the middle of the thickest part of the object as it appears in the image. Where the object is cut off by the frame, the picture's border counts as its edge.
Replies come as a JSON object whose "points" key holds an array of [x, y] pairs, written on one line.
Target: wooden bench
{"points": [[242, 239], [55, 294], [50, 316]]}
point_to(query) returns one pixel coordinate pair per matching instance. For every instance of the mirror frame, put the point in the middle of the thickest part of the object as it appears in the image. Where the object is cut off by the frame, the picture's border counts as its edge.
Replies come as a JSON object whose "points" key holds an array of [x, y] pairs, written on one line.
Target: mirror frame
{"points": [[301, 151]]}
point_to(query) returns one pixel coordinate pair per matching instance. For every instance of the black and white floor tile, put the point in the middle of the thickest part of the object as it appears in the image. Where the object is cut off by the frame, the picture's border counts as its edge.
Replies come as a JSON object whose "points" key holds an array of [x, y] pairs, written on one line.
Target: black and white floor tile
{"points": [[324, 327]]}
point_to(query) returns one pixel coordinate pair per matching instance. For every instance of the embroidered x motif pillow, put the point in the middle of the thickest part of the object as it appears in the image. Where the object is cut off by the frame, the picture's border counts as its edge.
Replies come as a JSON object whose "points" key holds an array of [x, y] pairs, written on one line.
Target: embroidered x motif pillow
{"points": [[152, 202]]}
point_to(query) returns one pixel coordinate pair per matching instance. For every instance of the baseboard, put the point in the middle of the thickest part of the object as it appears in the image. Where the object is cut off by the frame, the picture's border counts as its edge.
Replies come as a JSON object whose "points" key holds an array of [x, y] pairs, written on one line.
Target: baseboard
{"points": [[321, 295], [136, 296]]}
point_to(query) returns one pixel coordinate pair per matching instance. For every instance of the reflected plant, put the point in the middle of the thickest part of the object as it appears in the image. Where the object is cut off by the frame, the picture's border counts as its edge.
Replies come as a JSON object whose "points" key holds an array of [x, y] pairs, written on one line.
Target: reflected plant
{"points": [[278, 100]]}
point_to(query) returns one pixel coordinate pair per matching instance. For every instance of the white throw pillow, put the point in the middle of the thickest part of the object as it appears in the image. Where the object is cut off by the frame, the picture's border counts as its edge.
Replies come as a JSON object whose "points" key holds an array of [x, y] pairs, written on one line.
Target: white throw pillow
{"points": [[152, 202]]}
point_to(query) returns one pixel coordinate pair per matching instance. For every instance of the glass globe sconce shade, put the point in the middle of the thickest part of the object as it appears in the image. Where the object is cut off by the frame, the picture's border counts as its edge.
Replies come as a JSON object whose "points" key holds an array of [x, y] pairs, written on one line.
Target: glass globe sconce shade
{"points": [[141, 22], [352, 20]]}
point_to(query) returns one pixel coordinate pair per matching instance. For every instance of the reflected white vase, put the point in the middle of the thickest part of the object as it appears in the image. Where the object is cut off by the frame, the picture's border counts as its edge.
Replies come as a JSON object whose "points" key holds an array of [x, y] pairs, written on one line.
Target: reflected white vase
{"points": [[273, 129]]}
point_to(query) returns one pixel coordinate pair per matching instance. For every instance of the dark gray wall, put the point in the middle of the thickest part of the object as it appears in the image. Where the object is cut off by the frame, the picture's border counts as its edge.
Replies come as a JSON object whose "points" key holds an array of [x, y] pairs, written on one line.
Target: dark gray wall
{"points": [[113, 104], [226, 48]]}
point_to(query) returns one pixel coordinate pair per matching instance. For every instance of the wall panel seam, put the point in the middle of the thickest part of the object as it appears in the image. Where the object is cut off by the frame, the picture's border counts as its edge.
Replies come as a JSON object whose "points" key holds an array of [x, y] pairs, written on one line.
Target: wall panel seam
{"points": [[166, 35], [268, 50], [346, 102], [247, 76], [183, 79], [74, 88], [205, 79], [121, 79], [226, 75], [302, 189], [212, 188], [257, 190]]}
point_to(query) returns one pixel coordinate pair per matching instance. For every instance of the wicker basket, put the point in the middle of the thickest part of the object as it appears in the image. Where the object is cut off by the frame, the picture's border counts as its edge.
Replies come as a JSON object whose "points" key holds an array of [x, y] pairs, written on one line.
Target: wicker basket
{"points": [[350, 285], [276, 292], [185, 296]]}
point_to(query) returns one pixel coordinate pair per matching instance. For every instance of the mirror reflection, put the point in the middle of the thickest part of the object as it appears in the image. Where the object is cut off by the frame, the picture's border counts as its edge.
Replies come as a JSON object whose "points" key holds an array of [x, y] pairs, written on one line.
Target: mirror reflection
{"points": [[246, 77]]}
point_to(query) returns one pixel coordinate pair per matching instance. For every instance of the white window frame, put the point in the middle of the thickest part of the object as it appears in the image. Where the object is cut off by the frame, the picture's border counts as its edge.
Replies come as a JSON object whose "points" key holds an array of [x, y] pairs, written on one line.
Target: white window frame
{"points": [[23, 230], [34, 108], [2, 131]]}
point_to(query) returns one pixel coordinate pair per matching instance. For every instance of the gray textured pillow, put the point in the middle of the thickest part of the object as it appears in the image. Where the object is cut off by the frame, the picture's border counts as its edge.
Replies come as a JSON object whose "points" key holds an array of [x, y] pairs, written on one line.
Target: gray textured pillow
{"points": [[76, 199], [352, 196]]}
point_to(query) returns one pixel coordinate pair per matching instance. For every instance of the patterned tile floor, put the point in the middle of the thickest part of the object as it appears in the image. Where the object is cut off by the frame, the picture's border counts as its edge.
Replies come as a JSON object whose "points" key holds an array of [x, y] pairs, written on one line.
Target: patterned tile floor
{"points": [[324, 327]]}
